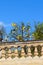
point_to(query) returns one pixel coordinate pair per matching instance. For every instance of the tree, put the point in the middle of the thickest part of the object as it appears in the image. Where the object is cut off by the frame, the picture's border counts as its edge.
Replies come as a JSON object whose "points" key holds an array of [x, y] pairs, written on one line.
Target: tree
{"points": [[38, 33], [2, 32], [20, 32]]}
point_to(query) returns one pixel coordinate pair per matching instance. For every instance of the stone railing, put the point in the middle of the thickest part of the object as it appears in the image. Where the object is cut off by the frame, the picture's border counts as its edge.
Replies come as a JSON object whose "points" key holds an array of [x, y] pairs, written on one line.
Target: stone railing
{"points": [[14, 49]]}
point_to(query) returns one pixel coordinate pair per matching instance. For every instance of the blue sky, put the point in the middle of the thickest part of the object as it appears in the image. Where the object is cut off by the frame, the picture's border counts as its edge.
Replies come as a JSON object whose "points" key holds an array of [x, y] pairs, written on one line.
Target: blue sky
{"points": [[20, 10]]}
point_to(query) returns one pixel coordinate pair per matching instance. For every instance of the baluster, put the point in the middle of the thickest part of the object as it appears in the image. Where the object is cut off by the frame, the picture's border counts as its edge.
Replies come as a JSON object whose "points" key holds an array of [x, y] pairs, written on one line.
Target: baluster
{"points": [[3, 53], [42, 50], [36, 53], [29, 51], [16, 52], [0, 53], [23, 53]]}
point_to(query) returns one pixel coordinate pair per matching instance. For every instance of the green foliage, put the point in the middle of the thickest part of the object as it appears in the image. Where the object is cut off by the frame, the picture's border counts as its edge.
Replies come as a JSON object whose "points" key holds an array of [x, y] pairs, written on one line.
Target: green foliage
{"points": [[38, 33], [39, 48], [2, 32], [20, 32]]}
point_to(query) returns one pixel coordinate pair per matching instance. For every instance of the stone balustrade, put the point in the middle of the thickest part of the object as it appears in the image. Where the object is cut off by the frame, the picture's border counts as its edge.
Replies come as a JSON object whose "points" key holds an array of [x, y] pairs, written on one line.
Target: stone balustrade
{"points": [[14, 49]]}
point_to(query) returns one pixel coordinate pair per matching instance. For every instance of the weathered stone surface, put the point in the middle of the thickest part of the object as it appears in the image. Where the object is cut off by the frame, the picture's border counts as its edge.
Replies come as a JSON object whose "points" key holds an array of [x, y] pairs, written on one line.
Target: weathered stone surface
{"points": [[22, 61]]}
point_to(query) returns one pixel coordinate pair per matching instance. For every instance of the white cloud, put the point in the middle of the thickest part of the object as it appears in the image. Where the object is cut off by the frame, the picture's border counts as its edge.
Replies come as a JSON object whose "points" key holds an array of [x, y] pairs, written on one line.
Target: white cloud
{"points": [[1, 23], [5, 25]]}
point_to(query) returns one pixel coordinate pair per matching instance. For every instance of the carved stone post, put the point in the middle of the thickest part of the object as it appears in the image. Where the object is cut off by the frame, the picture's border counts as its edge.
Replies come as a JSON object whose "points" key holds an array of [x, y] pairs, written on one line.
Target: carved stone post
{"points": [[0, 53], [29, 52], [23, 54], [9, 52], [16, 53], [3, 53], [42, 50]]}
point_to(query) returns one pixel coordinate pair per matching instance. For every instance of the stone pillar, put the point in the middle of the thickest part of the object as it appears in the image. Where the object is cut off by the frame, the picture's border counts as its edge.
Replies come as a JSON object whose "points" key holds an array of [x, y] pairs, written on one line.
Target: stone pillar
{"points": [[42, 50], [9, 53], [29, 51], [0, 53], [3, 53], [22, 53], [16, 53]]}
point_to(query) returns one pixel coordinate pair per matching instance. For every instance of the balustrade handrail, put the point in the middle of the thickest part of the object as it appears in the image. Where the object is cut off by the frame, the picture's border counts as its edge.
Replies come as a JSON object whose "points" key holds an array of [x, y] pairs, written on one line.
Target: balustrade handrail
{"points": [[24, 42]]}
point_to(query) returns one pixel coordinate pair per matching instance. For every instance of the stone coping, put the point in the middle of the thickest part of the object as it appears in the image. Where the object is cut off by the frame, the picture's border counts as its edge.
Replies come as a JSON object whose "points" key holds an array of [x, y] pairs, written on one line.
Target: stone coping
{"points": [[30, 41]]}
